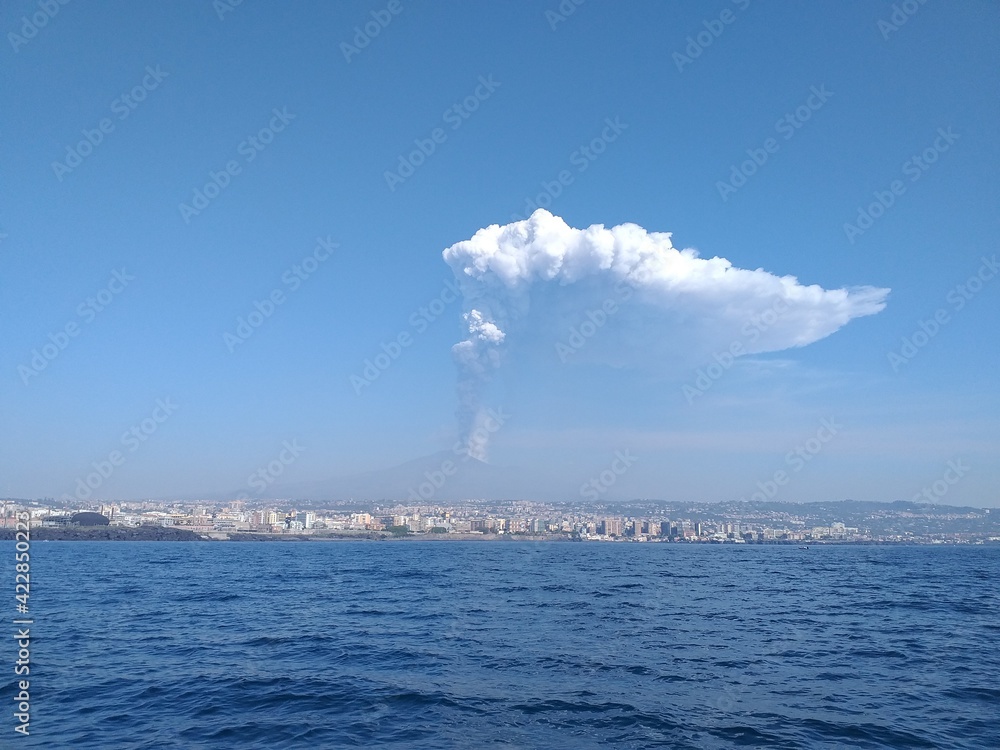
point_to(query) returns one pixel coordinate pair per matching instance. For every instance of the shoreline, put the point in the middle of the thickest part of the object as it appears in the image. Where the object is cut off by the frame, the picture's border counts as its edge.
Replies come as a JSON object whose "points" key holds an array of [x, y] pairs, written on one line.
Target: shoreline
{"points": [[175, 534]]}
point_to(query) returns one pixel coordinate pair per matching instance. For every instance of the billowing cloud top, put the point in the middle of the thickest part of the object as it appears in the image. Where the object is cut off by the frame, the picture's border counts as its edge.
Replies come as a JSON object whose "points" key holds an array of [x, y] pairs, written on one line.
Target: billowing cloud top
{"points": [[662, 298]]}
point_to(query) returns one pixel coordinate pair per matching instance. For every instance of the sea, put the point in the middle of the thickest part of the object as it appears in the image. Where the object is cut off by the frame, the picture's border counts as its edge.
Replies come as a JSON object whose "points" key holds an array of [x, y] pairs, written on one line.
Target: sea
{"points": [[411, 644]]}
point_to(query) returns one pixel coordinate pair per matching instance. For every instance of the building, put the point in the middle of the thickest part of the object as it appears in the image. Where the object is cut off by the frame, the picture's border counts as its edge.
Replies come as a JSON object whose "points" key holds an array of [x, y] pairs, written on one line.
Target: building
{"points": [[611, 527]]}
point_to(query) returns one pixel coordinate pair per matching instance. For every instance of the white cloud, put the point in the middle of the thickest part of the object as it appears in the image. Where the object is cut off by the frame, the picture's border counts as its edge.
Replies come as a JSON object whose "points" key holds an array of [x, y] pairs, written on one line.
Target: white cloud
{"points": [[667, 303]]}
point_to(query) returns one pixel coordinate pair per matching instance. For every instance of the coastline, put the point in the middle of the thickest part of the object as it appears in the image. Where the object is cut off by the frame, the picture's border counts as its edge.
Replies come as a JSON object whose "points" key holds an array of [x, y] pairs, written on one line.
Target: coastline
{"points": [[174, 534]]}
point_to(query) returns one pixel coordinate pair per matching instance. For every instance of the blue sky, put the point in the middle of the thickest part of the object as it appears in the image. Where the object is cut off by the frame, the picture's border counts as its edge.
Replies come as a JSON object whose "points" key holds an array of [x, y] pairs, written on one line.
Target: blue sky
{"points": [[207, 84]]}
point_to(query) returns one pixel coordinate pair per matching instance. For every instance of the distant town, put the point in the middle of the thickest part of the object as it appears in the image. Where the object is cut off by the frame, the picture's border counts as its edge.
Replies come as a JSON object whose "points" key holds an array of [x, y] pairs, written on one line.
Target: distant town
{"points": [[638, 521]]}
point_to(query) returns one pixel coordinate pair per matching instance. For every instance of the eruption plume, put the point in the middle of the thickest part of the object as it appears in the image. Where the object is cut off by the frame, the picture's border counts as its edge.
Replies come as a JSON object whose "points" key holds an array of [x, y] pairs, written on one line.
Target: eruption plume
{"points": [[659, 302]]}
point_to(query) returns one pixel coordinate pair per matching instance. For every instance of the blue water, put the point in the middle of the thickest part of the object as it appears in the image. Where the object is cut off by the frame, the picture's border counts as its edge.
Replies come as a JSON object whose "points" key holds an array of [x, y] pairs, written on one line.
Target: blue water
{"points": [[508, 645]]}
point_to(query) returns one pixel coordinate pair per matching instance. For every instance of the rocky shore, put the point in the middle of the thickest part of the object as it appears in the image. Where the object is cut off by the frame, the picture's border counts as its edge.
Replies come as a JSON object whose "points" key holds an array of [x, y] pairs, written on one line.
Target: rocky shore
{"points": [[107, 534]]}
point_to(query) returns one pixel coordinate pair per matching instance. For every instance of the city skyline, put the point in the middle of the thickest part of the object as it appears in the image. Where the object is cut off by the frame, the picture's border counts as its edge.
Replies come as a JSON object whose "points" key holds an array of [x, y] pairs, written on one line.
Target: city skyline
{"points": [[845, 522]]}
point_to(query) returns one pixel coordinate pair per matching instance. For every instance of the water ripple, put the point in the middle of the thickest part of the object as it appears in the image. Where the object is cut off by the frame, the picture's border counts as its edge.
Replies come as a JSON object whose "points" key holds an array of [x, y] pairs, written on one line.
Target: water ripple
{"points": [[454, 645]]}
